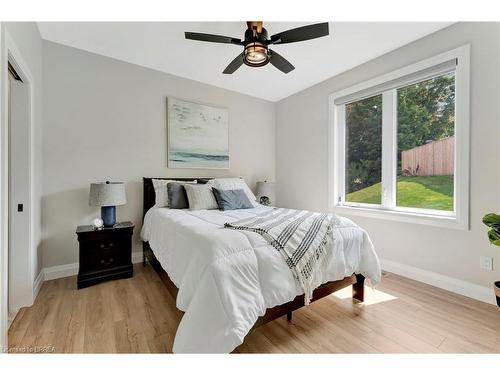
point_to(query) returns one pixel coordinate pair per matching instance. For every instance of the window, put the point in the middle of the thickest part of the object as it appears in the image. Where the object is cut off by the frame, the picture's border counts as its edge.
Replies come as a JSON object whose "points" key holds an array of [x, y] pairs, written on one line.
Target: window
{"points": [[363, 166], [400, 143], [426, 144]]}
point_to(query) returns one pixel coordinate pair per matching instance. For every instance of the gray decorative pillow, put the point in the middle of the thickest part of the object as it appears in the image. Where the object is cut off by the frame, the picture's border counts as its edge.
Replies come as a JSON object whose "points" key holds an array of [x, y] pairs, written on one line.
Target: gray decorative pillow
{"points": [[232, 199], [161, 190], [177, 197], [233, 183], [200, 197]]}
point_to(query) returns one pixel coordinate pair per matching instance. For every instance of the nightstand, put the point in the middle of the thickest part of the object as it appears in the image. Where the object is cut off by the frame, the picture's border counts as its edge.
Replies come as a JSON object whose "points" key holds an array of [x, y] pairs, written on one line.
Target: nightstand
{"points": [[105, 254]]}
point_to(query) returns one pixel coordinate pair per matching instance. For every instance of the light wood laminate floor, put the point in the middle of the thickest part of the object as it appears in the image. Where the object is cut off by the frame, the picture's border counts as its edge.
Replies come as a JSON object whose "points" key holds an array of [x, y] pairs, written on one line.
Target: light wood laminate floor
{"points": [[138, 315]]}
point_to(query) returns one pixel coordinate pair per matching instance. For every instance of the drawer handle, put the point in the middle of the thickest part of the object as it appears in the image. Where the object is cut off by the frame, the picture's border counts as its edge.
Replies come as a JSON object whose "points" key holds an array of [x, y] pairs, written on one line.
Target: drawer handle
{"points": [[104, 247], [104, 263]]}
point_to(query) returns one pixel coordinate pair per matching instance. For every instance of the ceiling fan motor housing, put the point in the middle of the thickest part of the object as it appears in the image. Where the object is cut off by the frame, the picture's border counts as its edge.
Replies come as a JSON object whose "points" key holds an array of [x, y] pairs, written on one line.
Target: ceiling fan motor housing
{"points": [[251, 35], [256, 52]]}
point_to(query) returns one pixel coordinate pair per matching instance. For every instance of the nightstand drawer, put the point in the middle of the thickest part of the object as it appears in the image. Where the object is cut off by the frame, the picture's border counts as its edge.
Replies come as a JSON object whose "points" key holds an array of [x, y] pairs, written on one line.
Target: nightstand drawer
{"points": [[107, 261], [106, 253], [105, 244]]}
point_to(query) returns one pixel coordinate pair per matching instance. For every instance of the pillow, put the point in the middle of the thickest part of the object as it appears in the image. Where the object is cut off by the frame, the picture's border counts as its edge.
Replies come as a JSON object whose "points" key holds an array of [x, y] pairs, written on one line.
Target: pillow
{"points": [[200, 197], [231, 199], [177, 197], [234, 183], [161, 192]]}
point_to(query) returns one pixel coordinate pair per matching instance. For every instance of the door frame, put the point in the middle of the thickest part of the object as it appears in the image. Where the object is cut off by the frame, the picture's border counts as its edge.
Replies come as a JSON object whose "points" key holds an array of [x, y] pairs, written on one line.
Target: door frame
{"points": [[10, 53]]}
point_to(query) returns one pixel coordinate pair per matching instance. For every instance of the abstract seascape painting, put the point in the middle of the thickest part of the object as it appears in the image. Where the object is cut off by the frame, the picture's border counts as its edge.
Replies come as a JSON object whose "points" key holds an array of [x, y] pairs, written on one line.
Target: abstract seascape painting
{"points": [[198, 135]]}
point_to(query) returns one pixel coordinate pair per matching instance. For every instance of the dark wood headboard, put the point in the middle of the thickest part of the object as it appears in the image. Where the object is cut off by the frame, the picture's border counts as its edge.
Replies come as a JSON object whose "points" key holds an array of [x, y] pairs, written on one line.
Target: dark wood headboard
{"points": [[149, 191]]}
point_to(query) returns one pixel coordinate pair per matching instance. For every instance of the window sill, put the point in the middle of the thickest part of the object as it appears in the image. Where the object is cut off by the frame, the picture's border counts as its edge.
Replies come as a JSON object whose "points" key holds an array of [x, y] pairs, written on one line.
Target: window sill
{"points": [[451, 222]]}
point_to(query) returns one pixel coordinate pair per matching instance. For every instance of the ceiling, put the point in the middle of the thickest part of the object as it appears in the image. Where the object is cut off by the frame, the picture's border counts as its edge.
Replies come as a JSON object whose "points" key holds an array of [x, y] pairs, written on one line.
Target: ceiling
{"points": [[161, 46]]}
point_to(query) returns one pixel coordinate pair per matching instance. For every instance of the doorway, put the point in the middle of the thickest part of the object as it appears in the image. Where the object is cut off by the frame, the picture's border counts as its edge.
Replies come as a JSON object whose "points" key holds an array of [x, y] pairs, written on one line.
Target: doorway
{"points": [[20, 281]]}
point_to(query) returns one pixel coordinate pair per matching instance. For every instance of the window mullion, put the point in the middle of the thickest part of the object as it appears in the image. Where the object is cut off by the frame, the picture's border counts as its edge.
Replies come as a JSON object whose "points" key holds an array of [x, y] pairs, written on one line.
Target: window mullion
{"points": [[341, 150], [389, 148]]}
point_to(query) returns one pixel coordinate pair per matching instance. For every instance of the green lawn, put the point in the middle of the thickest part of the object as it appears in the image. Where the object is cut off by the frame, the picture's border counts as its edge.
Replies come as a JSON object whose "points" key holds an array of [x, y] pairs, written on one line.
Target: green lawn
{"points": [[431, 192]]}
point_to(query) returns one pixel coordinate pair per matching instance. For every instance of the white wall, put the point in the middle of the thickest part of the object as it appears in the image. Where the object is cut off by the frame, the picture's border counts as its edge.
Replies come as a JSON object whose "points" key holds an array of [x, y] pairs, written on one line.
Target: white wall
{"points": [[302, 156], [106, 120]]}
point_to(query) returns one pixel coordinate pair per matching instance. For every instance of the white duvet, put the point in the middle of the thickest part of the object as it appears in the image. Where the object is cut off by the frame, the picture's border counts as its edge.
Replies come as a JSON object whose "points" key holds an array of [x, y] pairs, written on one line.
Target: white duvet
{"points": [[228, 278]]}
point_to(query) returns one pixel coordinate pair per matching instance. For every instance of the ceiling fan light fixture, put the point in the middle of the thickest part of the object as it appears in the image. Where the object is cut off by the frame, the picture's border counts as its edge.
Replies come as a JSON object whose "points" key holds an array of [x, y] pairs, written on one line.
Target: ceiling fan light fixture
{"points": [[256, 54]]}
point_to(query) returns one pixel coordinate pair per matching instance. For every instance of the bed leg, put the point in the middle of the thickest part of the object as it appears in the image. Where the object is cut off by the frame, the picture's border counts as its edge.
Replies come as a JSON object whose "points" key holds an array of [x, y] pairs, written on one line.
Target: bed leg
{"points": [[358, 289], [289, 316], [143, 258]]}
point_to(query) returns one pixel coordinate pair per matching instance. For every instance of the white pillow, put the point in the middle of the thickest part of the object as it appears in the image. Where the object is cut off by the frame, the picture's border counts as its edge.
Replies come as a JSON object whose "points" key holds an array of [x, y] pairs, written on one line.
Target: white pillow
{"points": [[200, 197], [161, 192], [233, 183]]}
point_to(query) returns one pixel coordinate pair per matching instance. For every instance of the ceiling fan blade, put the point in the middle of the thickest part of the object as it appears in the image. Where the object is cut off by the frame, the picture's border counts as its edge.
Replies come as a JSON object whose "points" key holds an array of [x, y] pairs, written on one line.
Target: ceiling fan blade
{"points": [[234, 65], [301, 33], [280, 62], [212, 38]]}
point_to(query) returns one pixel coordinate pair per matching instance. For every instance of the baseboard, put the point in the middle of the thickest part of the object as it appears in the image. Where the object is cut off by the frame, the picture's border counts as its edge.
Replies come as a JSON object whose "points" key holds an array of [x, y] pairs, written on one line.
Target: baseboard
{"points": [[71, 269], [58, 272], [38, 284], [137, 257], [11, 317], [451, 284]]}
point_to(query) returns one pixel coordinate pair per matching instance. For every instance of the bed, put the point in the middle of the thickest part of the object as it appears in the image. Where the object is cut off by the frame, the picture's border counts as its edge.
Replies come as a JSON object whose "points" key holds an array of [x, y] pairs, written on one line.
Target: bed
{"points": [[227, 282]]}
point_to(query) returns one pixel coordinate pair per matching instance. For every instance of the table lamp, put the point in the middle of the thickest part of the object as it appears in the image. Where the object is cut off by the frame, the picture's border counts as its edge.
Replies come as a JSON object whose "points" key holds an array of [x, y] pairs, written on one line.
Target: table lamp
{"points": [[107, 195], [265, 192]]}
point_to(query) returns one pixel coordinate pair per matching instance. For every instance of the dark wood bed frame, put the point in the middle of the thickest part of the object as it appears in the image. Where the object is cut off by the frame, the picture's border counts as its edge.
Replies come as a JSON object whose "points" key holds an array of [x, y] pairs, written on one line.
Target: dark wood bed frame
{"points": [[356, 280]]}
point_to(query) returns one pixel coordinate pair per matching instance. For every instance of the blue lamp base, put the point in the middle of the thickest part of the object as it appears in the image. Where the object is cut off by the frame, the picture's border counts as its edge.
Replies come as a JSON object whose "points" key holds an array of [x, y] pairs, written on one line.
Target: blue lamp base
{"points": [[108, 215]]}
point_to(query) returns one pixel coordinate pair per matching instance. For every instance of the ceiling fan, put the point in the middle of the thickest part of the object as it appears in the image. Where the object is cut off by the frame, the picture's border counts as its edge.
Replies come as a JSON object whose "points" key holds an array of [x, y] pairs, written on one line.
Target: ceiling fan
{"points": [[256, 50]]}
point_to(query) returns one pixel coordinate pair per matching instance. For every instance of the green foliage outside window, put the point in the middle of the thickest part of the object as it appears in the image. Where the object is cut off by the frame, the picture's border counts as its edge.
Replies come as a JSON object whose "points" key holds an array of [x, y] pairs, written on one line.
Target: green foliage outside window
{"points": [[364, 143], [426, 112]]}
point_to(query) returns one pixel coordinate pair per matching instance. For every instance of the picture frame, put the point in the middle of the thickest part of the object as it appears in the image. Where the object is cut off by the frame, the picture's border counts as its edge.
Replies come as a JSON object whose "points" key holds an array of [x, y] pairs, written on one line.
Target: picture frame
{"points": [[197, 135]]}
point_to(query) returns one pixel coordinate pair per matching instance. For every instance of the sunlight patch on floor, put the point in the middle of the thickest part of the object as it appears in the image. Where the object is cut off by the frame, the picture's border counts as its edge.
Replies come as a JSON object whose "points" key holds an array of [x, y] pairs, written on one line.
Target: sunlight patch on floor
{"points": [[372, 296]]}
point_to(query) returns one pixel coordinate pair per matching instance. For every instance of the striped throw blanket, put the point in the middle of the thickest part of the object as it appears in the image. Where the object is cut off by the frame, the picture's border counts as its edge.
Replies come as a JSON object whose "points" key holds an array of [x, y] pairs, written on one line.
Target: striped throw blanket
{"points": [[303, 238]]}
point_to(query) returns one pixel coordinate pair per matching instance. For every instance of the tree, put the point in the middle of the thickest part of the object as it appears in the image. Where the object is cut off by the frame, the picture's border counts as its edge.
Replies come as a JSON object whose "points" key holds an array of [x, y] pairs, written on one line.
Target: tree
{"points": [[364, 143], [426, 112]]}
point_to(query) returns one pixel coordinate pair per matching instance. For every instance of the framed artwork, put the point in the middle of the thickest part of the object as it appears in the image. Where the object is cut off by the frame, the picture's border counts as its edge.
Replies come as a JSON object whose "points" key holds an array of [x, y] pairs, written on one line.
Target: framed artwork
{"points": [[198, 135]]}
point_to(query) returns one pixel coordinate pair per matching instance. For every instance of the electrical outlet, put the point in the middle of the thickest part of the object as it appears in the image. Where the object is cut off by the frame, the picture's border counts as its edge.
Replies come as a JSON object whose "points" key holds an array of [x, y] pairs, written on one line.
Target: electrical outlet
{"points": [[486, 263]]}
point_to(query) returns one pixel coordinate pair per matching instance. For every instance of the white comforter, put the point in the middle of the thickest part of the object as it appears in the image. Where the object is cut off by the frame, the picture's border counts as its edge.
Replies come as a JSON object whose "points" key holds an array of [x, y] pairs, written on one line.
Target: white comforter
{"points": [[228, 278]]}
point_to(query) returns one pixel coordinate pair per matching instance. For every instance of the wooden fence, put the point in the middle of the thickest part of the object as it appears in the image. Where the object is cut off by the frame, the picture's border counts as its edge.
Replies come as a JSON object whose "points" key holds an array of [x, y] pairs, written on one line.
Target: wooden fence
{"points": [[435, 158]]}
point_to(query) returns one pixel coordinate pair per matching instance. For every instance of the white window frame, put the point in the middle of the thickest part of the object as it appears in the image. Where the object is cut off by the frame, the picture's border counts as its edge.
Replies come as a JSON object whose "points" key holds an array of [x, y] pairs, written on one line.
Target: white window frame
{"points": [[459, 218]]}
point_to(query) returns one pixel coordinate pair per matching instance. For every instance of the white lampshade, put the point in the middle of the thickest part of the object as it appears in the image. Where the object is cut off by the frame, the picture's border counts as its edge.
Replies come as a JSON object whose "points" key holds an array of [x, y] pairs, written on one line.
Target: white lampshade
{"points": [[107, 193], [265, 189]]}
